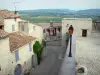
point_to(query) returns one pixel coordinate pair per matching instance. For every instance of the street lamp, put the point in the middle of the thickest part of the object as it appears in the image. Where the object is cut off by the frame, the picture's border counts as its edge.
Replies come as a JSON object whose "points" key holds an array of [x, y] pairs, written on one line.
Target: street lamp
{"points": [[70, 30]]}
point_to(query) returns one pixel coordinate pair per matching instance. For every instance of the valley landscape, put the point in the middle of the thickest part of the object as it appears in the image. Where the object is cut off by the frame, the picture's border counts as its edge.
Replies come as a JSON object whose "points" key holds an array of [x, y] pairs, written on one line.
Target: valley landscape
{"points": [[56, 15]]}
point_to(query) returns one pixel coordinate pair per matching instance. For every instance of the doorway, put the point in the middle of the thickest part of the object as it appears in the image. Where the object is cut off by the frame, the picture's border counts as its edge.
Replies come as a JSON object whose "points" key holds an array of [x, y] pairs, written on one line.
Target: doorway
{"points": [[18, 69], [84, 32], [1, 27]]}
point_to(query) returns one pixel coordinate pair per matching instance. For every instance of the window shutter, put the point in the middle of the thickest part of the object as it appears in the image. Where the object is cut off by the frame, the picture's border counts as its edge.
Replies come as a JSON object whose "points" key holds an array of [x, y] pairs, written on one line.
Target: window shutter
{"points": [[13, 28], [16, 55], [30, 47], [22, 27]]}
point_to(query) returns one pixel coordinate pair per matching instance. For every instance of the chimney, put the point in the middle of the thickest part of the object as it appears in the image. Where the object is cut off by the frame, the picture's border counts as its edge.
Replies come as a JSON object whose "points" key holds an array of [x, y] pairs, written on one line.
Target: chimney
{"points": [[15, 12]]}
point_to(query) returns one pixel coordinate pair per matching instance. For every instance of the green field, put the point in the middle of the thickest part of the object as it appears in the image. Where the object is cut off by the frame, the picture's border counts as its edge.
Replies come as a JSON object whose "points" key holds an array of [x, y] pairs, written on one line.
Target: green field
{"points": [[42, 18], [53, 18]]}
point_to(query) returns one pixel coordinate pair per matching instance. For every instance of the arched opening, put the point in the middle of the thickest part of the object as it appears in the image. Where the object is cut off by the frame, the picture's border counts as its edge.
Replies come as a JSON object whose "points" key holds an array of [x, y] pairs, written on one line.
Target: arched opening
{"points": [[18, 69]]}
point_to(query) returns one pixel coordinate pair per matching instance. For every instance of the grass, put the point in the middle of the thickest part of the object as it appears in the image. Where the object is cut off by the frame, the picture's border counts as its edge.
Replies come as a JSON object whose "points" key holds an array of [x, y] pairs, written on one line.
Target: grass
{"points": [[42, 19], [53, 18]]}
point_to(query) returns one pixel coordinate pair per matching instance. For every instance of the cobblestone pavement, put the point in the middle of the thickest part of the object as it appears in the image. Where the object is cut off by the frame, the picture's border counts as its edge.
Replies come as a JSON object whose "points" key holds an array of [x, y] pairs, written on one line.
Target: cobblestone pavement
{"points": [[50, 65], [88, 53]]}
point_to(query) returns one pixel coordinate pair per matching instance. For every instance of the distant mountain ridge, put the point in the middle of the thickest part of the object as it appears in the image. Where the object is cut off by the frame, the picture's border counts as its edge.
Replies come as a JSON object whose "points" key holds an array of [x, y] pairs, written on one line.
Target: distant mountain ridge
{"points": [[89, 11], [46, 11], [60, 11]]}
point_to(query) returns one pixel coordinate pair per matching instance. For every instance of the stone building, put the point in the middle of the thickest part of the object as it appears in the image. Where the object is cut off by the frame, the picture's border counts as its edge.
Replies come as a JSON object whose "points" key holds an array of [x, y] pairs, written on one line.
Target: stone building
{"points": [[82, 27], [17, 37], [16, 50], [11, 22]]}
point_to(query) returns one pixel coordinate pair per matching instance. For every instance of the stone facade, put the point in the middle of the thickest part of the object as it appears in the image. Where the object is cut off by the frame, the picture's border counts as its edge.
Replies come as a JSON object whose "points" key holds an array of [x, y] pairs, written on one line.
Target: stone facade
{"points": [[79, 25], [8, 61]]}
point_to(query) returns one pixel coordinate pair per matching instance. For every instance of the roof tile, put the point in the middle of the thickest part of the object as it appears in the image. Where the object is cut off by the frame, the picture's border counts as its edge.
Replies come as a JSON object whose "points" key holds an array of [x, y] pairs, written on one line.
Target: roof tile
{"points": [[1, 22], [47, 24], [3, 34], [18, 39], [8, 14]]}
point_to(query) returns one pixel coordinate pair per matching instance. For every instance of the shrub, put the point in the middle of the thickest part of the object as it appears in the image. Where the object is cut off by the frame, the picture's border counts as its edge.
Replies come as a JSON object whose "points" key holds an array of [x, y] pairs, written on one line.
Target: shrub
{"points": [[37, 51], [43, 43]]}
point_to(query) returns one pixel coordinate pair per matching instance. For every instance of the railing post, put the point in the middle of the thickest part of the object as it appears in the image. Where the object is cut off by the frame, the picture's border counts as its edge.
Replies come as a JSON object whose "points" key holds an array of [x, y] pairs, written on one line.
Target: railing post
{"points": [[70, 53]]}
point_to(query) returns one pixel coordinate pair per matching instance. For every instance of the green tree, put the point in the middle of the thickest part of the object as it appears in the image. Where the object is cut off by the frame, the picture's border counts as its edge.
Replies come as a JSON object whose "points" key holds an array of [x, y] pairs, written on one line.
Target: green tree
{"points": [[37, 50], [36, 47]]}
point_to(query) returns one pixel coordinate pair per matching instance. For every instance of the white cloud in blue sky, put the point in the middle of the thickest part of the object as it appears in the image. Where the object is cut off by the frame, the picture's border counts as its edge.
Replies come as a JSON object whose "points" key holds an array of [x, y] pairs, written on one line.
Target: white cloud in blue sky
{"points": [[50, 4]]}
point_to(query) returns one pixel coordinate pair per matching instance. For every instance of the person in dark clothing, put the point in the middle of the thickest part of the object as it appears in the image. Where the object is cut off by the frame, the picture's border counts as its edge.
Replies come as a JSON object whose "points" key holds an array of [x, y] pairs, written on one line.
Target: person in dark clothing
{"points": [[71, 29], [70, 38]]}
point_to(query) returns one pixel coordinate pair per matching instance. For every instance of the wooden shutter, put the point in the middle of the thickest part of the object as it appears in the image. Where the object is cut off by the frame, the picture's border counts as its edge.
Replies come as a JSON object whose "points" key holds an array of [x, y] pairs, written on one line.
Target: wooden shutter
{"points": [[16, 55], [13, 28], [22, 27], [30, 47]]}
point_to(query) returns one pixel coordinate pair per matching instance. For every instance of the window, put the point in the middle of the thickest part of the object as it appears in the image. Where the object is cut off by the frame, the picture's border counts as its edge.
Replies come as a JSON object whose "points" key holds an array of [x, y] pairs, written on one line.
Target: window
{"points": [[84, 33], [1, 27], [30, 47], [22, 27], [16, 55], [13, 28]]}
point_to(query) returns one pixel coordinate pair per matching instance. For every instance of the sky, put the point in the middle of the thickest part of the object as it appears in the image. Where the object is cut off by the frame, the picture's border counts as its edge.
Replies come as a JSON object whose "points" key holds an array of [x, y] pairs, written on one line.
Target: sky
{"points": [[50, 4]]}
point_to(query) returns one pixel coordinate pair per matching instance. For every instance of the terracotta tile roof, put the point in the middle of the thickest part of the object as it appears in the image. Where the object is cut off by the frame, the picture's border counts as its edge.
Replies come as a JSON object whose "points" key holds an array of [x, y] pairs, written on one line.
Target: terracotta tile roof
{"points": [[1, 22], [18, 39], [8, 14], [47, 25], [3, 34]]}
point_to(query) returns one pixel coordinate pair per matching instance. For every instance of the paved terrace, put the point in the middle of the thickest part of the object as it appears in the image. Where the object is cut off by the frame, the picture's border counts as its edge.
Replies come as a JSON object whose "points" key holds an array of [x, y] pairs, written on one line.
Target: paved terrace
{"points": [[68, 65], [88, 53]]}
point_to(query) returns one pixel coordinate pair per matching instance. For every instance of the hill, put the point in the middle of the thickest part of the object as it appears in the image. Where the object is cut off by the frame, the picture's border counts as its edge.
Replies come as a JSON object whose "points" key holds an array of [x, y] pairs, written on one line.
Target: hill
{"points": [[89, 12], [46, 15], [47, 12], [60, 12]]}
